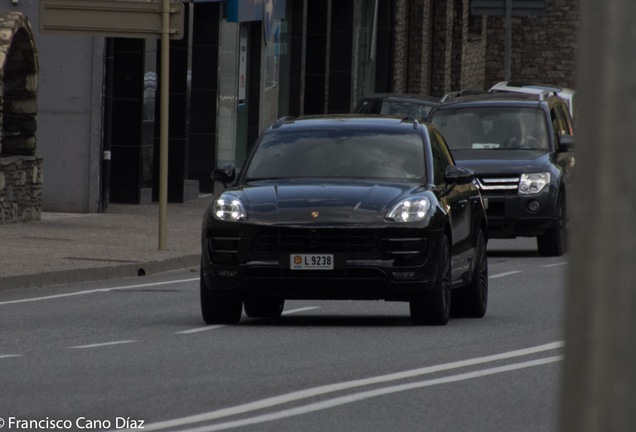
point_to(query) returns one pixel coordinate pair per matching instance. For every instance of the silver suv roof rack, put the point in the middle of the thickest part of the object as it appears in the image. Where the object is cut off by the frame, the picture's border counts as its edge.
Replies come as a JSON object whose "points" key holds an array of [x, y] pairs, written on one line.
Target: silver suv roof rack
{"points": [[547, 93]]}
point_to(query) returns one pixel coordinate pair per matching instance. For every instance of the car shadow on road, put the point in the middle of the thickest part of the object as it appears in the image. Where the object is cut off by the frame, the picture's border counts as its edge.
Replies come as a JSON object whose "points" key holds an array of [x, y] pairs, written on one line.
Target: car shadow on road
{"points": [[503, 253], [330, 321]]}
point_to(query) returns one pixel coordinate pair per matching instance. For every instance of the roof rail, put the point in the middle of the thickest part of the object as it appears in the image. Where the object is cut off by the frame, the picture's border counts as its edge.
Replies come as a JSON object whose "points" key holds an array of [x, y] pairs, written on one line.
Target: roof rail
{"points": [[278, 123], [451, 95], [546, 94], [408, 119], [462, 93]]}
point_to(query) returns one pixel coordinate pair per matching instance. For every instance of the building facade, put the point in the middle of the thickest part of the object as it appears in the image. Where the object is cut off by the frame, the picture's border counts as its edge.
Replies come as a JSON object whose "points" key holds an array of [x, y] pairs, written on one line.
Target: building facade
{"points": [[242, 64]]}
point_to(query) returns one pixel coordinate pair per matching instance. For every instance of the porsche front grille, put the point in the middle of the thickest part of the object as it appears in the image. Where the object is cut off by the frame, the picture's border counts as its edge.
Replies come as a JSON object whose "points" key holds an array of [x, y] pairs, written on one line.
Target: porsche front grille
{"points": [[356, 244], [402, 249]]}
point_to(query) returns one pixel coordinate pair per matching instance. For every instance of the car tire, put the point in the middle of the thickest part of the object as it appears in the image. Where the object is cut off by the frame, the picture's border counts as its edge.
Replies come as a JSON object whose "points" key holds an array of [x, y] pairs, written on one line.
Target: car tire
{"points": [[472, 300], [435, 309], [264, 307], [219, 307], [553, 243]]}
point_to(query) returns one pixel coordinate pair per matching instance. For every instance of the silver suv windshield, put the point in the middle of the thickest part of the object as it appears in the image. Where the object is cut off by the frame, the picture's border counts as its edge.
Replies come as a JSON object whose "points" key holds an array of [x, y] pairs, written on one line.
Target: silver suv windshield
{"points": [[493, 128]]}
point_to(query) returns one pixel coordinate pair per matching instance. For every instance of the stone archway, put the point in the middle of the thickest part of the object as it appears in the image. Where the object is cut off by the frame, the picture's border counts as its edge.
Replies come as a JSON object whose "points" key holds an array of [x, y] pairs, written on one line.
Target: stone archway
{"points": [[20, 169]]}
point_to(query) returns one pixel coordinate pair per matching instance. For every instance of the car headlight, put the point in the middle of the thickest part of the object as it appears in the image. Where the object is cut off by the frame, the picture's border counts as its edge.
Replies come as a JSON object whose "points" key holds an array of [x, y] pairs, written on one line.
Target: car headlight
{"points": [[409, 210], [229, 208], [533, 183]]}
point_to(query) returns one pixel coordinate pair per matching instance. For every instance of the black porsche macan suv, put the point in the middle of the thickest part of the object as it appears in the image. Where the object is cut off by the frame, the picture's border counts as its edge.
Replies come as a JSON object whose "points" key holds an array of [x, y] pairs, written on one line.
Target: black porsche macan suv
{"points": [[520, 148], [347, 207]]}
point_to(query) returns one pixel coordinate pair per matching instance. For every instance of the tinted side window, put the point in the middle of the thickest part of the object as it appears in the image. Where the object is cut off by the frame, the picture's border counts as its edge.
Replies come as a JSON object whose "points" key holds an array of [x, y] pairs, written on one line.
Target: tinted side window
{"points": [[445, 150], [440, 160], [369, 107], [568, 120], [558, 122]]}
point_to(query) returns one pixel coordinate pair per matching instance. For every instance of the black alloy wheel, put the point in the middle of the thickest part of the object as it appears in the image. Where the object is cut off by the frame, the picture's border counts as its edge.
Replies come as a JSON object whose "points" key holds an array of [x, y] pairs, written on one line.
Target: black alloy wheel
{"points": [[219, 307], [472, 300], [553, 243], [435, 309], [264, 307]]}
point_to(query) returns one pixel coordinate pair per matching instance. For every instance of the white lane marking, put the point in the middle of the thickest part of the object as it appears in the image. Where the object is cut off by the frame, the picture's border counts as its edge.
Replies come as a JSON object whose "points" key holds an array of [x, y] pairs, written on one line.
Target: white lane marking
{"points": [[10, 355], [96, 291], [342, 400], [103, 344], [201, 329], [554, 265], [330, 388], [503, 274], [214, 327], [300, 310]]}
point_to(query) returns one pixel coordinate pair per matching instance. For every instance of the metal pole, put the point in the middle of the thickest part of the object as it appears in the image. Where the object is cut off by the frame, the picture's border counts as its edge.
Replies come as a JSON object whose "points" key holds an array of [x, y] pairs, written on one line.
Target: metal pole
{"points": [[108, 123], [508, 40], [599, 371], [163, 125], [374, 33]]}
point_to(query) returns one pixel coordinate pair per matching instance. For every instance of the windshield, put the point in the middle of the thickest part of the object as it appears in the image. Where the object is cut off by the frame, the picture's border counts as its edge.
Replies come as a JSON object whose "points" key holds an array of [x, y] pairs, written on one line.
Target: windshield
{"points": [[493, 128], [405, 109], [339, 154]]}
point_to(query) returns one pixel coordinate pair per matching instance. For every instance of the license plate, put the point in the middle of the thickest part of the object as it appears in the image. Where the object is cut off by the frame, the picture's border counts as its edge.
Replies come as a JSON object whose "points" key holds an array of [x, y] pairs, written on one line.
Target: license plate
{"points": [[311, 261]]}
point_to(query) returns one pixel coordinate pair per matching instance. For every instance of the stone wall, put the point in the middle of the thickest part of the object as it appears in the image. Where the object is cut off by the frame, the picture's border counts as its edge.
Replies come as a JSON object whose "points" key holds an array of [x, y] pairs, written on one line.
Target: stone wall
{"points": [[20, 169], [439, 35], [20, 189], [543, 48], [400, 52], [440, 47], [473, 50]]}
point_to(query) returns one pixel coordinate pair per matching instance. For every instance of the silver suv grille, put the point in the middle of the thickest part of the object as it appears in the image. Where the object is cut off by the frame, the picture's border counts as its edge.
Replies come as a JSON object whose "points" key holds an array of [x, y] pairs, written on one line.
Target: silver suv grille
{"points": [[498, 184]]}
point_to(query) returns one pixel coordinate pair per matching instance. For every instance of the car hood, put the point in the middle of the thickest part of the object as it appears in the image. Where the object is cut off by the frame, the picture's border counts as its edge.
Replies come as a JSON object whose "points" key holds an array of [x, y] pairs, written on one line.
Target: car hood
{"points": [[495, 162], [310, 202]]}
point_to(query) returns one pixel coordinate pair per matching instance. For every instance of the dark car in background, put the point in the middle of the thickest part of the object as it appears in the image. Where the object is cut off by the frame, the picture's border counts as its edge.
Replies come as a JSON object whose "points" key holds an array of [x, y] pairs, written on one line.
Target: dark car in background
{"points": [[406, 105], [520, 147], [346, 207]]}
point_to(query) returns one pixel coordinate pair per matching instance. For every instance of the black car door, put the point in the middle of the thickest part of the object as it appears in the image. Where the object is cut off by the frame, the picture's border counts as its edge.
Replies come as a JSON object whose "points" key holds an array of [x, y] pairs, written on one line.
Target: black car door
{"points": [[457, 198], [562, 125]]}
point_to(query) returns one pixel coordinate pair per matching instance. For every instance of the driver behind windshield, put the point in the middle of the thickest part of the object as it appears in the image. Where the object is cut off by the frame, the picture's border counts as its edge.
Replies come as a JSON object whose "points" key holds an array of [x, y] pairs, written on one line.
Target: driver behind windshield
{"points": [[493, 128], [533, 133]]}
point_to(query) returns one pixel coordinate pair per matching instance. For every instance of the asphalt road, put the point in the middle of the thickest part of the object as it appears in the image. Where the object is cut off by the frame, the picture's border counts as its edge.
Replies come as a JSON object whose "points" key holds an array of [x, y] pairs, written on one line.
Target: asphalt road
{"points": [[114, 354]]}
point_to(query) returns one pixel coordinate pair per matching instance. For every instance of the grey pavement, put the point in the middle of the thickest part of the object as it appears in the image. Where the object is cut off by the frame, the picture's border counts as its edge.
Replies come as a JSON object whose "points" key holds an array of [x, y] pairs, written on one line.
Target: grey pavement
{"points": [[73, 247]]}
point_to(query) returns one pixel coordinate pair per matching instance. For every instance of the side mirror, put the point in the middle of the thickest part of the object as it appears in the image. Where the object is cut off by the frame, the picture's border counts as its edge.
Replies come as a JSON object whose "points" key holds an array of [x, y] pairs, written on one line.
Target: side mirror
{"points": [[458, 174], [566, 143], [225, 174]]}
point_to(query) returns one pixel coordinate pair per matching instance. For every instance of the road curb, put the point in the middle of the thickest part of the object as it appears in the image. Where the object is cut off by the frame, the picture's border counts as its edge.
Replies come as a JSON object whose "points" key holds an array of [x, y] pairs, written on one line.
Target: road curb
{"points": [[99, 273]]}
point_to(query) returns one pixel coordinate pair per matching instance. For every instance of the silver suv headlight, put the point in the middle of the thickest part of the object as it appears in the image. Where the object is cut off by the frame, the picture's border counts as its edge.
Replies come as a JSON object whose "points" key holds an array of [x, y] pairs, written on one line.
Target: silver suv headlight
{"points": [[533, 183], [229, 208], [412, 209]]}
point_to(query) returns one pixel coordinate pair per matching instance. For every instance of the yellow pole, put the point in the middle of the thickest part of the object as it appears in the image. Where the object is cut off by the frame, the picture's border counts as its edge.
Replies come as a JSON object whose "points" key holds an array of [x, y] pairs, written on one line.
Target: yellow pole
{"points": [[163, 130]]}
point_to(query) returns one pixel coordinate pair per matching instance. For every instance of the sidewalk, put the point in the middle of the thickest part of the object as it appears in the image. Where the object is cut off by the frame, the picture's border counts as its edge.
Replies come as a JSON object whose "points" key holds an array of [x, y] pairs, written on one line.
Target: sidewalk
{"points": [[71, 247]]}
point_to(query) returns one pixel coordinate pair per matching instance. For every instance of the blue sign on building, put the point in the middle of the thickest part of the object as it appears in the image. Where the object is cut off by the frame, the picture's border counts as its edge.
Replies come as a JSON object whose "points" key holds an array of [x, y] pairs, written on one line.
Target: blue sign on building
{"points": [[252, 10]]}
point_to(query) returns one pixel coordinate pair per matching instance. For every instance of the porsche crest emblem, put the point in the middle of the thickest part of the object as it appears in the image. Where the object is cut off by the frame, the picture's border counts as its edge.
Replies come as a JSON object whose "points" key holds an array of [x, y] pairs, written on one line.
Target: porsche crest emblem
{"points": [[314, 214]]}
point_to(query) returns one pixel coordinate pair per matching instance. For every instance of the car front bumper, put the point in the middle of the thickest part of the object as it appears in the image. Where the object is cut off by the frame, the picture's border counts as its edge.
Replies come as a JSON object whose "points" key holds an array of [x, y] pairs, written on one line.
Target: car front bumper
{"points": [[369, 266], [511, 216]]}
